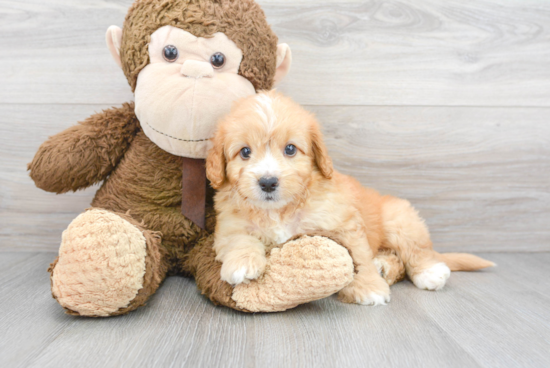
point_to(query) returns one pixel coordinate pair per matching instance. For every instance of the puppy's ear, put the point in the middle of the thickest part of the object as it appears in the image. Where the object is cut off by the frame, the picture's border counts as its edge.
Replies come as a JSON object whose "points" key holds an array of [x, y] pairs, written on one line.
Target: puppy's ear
{"points": [[215, 162], [322, 159]]}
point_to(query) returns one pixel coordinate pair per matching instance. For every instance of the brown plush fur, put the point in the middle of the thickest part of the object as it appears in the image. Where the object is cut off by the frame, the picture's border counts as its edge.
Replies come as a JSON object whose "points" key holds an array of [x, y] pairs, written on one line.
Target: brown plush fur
{"points": [[144, 188], [141, 182], [84, 154], [242, 21]]}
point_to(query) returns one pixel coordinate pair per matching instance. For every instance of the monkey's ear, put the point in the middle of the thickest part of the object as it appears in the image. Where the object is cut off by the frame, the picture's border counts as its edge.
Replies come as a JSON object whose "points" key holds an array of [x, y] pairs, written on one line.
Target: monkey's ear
{"points": [[114, 40], [284, 59]]}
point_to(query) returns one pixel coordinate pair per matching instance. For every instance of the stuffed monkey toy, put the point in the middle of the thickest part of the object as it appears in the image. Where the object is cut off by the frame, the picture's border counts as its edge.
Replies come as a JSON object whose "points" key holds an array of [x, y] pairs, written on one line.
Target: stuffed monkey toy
{"points": [[186, 61]]}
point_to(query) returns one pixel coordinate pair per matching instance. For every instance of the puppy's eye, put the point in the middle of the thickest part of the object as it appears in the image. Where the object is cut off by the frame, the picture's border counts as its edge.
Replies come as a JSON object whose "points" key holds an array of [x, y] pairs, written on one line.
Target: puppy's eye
{"points": [[290, 150], [217, 60], [245, 153], [170, 53]]}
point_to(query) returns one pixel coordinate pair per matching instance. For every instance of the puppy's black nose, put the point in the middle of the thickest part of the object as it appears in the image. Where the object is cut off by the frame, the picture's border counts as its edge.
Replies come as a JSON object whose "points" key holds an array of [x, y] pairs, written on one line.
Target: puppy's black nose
{"points": [[269, 184]]}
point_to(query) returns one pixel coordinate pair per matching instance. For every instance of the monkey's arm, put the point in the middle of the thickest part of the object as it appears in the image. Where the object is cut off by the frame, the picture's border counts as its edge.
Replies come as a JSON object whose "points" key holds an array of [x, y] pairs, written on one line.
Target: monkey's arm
{"points": [[86, 153]]}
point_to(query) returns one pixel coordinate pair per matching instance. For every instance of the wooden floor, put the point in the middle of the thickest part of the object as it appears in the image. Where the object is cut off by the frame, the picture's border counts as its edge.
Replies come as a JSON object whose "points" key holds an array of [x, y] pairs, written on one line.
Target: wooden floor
{"points": [[445, 103], [495, 318]]}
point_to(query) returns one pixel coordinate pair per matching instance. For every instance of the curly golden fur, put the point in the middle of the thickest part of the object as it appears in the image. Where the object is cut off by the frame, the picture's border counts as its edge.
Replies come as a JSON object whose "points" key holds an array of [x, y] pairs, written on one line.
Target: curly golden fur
{"points": [[267, 138]]}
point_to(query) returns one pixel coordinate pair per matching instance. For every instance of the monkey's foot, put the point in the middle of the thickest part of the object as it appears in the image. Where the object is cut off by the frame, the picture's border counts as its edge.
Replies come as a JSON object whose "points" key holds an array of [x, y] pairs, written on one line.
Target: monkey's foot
{"points": [[107, 265], [303, 270]]}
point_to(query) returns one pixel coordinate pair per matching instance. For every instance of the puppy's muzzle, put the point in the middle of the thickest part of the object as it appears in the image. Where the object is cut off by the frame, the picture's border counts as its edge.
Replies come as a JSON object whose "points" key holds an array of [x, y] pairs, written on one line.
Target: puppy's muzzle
{"points": [[269, 185]]}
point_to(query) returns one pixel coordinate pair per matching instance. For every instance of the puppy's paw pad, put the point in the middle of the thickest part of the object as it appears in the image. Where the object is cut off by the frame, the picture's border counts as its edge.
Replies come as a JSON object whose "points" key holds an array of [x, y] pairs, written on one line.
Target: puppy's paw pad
{"points": [[373, 299], [244, 269], [363, 297], [433, 278], [381, 266], [238, 276]]}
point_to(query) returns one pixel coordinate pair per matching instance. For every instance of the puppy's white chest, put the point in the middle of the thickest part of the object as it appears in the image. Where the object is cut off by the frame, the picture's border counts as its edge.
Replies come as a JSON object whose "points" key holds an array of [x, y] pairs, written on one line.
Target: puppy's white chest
{"points": [[282, 234], [276, 231]]}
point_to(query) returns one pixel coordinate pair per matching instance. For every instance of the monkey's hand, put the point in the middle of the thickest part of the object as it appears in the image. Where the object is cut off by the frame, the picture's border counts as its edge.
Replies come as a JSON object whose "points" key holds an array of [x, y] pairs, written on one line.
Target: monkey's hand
{"points": [[85, 153]]}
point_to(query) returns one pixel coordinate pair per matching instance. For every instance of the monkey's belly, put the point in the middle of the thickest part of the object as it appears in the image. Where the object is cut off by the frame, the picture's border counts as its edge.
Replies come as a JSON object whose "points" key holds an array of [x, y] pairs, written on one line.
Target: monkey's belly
{"points": [[147, 182]]}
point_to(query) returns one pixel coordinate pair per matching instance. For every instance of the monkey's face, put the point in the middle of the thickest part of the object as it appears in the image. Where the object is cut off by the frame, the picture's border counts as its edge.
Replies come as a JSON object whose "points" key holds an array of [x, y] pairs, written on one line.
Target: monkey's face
{"points": [[188, 85]]}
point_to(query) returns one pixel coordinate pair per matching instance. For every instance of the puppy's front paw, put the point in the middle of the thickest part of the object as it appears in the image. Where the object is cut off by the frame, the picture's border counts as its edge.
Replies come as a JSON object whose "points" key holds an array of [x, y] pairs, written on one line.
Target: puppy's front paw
{"points": [[243, 268], [364, 295]]}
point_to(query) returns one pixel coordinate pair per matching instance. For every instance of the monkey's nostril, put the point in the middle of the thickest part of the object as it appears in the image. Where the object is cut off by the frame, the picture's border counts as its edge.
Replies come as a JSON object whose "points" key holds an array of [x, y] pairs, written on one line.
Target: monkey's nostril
{"points": [[269, 185]]}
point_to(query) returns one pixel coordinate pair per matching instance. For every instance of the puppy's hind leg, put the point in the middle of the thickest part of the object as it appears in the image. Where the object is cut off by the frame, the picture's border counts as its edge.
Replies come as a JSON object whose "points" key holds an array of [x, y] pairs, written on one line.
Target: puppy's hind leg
{"points": [[367, 287], [407, 234], [389, 266]]}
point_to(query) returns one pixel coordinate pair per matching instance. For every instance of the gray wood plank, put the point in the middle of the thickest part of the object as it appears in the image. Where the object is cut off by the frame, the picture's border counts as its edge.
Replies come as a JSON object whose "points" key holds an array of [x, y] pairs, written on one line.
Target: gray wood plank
{"points": [[180, 328], [29, 317], [484, 319], [525, 267], [410, 52], [478, 175], [11, 259], [497, 319], [176, 328], [333, 334]]}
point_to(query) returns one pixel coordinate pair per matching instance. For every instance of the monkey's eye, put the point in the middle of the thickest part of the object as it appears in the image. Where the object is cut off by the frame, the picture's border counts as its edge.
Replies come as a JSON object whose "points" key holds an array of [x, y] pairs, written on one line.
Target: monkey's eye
{"points": [[217, 60], [170, 53], [290, 150], [245, 153]]}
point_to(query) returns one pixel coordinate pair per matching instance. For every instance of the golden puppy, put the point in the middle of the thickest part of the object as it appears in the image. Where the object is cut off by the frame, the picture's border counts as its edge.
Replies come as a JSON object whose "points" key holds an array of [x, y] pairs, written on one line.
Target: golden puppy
{"points": [[275, 180]]}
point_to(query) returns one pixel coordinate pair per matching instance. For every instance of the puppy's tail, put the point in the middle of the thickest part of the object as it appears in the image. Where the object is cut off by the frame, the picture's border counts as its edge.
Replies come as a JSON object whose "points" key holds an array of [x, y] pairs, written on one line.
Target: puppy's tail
{"points": [[463, 261]]}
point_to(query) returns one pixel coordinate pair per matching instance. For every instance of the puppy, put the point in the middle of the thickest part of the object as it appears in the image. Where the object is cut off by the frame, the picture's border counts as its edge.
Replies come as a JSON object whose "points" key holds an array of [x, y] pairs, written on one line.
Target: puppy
{"points": [[275, 180]]}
